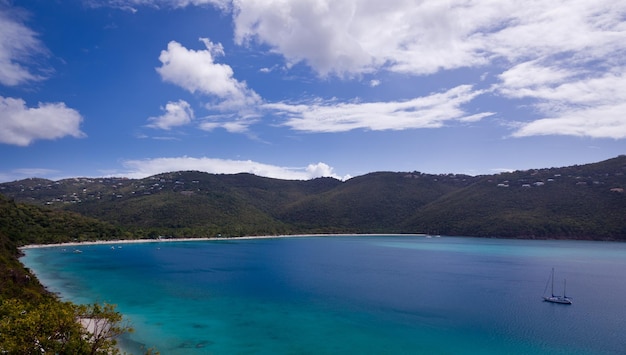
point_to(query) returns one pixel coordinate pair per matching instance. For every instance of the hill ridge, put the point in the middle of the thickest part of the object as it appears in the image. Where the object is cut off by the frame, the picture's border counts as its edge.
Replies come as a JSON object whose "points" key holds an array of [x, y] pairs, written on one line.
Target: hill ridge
{"points": [[580, 201]]}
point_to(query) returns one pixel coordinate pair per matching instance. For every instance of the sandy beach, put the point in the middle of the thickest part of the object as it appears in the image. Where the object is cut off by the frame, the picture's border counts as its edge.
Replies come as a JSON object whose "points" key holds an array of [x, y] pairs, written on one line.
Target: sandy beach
{"points": [[166, 240], [134, 241]]}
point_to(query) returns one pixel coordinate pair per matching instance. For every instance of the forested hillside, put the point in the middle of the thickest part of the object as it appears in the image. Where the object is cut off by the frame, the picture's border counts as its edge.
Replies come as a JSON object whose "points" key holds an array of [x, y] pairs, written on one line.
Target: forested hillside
{"points": [[28, 224], [586, 202], [34, 321]]}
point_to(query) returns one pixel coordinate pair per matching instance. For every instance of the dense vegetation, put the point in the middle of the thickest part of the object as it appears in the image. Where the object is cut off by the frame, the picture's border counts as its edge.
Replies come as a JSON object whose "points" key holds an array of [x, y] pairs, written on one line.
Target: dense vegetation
{"points": [[33, 321], [586, 201], [29, 224]]}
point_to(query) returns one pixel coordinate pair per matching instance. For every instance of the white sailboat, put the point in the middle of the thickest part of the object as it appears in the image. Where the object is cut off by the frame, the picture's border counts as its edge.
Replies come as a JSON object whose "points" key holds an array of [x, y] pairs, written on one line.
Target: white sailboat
{"points": [[554, 298]]}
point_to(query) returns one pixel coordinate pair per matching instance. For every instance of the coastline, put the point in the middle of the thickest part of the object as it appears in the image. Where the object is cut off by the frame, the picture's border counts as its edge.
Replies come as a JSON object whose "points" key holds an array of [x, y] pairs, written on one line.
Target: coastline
{"points": [[199, 239]]}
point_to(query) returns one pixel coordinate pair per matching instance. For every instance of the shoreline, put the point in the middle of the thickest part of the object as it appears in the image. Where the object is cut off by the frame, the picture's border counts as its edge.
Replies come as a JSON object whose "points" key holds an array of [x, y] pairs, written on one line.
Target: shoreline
{"points": [[170, 240]]}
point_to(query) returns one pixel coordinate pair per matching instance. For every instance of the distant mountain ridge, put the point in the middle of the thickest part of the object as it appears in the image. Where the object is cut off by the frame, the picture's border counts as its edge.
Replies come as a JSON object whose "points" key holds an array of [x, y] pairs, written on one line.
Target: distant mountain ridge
{"points": [[576, 202]]}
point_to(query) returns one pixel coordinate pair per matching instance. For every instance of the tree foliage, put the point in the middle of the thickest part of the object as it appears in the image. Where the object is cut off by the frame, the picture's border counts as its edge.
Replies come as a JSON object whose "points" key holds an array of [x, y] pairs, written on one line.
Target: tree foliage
{"points": [[102, 325], [29, 224], [58, 327], [48, 326], [33, 321]]}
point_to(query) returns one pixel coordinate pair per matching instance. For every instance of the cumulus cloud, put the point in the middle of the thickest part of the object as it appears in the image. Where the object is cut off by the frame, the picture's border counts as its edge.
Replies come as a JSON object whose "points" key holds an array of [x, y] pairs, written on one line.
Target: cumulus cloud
{"points": [[177, 113], [352, 37], [197, 71], [550, 51], [422, 37], [21, 125], [542, 52], [422, 112], [144, 168], [18, 45]]}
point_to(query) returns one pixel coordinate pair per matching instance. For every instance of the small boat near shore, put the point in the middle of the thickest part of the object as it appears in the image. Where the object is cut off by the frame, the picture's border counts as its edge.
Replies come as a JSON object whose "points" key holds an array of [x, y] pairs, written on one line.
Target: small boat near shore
{"points": [[556, 298]]}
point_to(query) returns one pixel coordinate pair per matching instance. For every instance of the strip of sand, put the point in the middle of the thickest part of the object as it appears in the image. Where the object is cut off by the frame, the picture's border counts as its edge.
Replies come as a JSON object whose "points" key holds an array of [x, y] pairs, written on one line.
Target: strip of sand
{"points": [[166, 240]]}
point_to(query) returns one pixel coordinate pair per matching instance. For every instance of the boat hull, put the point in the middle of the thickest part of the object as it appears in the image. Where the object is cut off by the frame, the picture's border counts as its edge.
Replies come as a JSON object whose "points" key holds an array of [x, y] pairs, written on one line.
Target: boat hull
{"points": [[558, 299]]}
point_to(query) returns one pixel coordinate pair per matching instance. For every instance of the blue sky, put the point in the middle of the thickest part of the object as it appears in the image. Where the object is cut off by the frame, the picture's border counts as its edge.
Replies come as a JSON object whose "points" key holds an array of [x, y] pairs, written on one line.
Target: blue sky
{"points": [[297, 89]]}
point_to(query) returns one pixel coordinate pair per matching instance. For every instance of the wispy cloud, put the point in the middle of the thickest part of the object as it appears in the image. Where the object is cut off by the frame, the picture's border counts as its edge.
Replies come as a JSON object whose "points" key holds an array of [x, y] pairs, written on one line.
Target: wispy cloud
{"points": [[571, 103], [144, 168], [423, 112], [196, 71], [18, 45], [25, 173], [566, 59], [20, 125], [550, 51]]}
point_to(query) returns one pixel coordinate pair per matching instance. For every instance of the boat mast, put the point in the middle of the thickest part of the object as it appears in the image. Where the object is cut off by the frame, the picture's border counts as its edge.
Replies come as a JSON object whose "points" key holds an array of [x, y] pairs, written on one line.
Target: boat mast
{"points": [[552, 282]]}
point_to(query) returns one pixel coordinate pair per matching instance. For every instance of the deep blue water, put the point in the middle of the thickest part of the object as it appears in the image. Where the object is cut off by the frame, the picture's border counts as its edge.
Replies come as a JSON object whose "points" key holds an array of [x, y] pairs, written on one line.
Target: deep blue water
{"points": [[357, 295]]}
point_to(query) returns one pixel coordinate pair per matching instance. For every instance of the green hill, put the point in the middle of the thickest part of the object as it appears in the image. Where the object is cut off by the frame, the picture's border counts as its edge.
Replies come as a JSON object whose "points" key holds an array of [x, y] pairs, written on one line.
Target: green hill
{"points": [[586, 201], [373, 203], [34, 321]]}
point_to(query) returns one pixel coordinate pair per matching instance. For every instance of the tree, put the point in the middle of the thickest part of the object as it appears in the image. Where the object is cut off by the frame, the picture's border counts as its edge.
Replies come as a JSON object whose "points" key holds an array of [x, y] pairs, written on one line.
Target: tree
{"points": [[49, 326], [59, 328], [102, 325]]}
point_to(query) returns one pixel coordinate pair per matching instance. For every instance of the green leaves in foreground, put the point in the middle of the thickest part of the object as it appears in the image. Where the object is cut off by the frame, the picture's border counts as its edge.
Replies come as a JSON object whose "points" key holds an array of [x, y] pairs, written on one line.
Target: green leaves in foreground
{"points": [[59, 328]]}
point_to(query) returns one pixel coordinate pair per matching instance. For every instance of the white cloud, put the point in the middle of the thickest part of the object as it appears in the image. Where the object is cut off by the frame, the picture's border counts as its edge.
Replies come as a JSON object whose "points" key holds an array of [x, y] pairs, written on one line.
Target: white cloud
{"points": [[144, 168], [569, 57], [547, 53], [374, 83], [177, 113], [570, 30], [352, 37], [25, 173], [423, 37], [234, 126], [595, 89], [20, 125], [196, 71], [603, 121], [422, 112], [18, 45], [591, 106], [322, 170], [531, 75]]}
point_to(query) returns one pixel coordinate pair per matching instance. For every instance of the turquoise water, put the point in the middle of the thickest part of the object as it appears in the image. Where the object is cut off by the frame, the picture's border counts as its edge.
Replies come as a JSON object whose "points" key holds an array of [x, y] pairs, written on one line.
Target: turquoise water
{"points": [[351, 294]]}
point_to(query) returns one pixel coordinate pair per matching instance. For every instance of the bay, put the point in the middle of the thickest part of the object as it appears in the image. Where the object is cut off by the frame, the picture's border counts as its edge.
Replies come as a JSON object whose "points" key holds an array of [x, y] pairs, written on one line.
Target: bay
{"points": [[351, 294]]}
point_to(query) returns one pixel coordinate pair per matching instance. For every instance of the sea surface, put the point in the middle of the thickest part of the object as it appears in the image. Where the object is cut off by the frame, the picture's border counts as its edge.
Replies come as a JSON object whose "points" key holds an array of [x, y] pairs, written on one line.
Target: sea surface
{"points": [[351, 294]]}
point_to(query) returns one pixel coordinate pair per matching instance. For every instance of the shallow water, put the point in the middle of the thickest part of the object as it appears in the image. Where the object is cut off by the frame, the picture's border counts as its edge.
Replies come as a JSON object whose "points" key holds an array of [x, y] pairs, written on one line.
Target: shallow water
{"points": [[352, 294]]}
